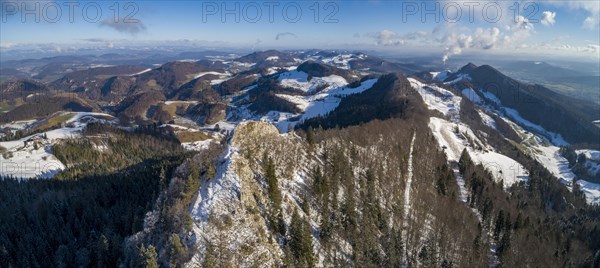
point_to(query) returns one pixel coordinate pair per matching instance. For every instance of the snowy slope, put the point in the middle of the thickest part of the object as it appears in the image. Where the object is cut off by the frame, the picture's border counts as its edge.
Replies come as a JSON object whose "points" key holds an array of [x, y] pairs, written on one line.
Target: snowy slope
{"points": [[501, 166], [440, 76], [319, 104], [299, 80], [25, 161], [222, 191], [238, 193], [437, 98], [211, 73], [546, 151], [222, 197], [470, 94], [514, 116], [487, 120], [31, 157], [592, 163], [590, 154], [311, 106], [18, 125], [341, 60], [455, 136], [541, 144], [144, 71]]}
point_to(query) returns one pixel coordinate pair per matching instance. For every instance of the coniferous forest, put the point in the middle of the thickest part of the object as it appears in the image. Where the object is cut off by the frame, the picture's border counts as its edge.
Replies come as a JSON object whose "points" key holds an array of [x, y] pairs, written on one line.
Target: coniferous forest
{"points": [[294, 159]]}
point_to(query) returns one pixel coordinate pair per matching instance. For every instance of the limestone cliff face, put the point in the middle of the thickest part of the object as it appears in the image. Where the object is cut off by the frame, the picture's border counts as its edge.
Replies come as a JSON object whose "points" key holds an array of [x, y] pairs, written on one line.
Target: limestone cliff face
{"points": [[230, 209]]}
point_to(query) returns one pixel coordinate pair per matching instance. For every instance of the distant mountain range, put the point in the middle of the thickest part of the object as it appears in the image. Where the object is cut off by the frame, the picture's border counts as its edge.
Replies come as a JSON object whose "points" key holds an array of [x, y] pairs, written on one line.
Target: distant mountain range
{"points": [[297, 158]]}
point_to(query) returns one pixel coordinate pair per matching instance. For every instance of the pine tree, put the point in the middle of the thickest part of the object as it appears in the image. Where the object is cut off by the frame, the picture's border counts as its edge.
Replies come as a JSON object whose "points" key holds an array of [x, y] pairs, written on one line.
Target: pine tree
{"points": [[193, 182], [464, 161], [499, 225], [305, 205], [319, 183], [210, 259], [349, 210], [176, 251], [504, 243], [325, 225], [310, 136], [273, 187], [288, 258], [148, 257], [301, 241], [274, 194], [162, 178]]}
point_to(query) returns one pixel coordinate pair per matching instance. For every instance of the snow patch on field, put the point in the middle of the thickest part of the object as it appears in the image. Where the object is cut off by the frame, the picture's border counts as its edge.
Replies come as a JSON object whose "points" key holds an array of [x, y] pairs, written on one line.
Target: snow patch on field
{"points": [[80, 119], [502, 167], [556, 139], [222, 125]]}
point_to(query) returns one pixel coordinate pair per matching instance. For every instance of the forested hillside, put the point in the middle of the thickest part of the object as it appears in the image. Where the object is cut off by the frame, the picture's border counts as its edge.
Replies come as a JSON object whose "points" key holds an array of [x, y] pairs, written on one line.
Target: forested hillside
{"points": [[295, 159]]}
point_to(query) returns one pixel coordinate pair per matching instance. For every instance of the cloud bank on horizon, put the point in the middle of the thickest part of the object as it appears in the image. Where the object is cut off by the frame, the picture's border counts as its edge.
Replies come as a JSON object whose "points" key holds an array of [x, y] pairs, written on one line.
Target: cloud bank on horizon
{"points": [[444, 27]]}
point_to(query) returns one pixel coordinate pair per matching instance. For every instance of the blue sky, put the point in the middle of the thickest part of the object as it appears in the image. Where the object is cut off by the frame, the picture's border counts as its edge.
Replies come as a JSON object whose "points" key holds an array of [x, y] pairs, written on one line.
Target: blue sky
{"points": [[551, 27]]}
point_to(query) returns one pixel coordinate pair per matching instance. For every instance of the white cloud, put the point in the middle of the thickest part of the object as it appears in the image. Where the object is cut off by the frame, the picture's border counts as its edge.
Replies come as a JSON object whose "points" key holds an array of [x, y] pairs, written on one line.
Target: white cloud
{"points": [[124, 25], [487, 39], [387, 38], [6, 45], [591, 22], [456, 40], [280, 36], [481, 39], [522, 23], [548, 18]]}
